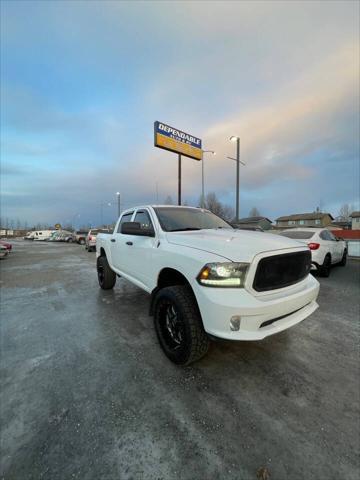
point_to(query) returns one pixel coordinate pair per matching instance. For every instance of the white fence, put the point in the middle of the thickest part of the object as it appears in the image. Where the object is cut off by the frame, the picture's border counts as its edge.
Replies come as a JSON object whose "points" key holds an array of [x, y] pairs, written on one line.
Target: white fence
{"points": [[354, 248]]}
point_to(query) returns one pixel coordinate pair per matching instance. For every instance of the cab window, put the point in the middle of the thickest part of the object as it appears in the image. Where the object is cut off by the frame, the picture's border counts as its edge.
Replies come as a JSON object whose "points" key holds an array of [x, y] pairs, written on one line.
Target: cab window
{"points": [[125, 218], [143, 218]]}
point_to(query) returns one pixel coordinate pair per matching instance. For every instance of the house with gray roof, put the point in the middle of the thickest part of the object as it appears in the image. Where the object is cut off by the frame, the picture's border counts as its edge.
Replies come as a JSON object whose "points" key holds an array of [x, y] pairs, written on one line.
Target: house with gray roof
{"points": [[355, 220], [253, 222], [315, 219]]}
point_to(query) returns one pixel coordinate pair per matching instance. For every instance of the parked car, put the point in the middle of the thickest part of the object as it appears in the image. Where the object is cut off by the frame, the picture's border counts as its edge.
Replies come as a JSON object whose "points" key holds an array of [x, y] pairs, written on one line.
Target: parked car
{"points": [[7, 245], [90, 241], [4, 252], [207, 279], [80, 236], [41, 235], [29, 236], [326, 249], [254, 228], [61, 236]]}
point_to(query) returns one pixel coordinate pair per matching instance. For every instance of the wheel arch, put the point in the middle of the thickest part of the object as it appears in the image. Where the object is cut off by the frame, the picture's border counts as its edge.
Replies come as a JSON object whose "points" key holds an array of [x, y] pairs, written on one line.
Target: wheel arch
{"points": [[169, 277]]}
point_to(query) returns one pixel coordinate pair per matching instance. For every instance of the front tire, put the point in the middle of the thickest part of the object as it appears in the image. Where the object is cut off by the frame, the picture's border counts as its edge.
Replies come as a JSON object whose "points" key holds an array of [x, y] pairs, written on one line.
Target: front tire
{"points": [[179, 326], [106, 276]]}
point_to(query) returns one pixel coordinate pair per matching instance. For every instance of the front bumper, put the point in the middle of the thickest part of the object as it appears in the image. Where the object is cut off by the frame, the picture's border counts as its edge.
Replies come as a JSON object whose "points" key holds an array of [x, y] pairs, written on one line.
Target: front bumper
{"points": [[286, 307]]}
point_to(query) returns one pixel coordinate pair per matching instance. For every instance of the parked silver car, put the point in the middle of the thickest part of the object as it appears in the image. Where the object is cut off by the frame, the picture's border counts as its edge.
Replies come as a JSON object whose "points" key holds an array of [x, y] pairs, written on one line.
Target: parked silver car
{"points": [[90, 242]]}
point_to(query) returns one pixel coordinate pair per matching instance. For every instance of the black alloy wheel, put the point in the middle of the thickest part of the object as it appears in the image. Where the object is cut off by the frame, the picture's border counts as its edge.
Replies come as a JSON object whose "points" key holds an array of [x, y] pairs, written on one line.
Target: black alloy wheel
{"points": [[178, 325], [170, 325], [106, 276]]}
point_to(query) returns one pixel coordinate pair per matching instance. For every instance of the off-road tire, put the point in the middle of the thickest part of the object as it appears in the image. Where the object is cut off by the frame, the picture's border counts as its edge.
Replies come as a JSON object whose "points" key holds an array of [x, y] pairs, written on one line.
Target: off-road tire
{"points": [[195, 342], [326, 266], [344, 258], [106, 276]]}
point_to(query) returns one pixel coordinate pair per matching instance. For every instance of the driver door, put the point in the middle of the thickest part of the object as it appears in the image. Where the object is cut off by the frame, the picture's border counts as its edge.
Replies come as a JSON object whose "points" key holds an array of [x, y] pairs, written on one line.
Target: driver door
{"points": [[118, 246], [142, 250]]}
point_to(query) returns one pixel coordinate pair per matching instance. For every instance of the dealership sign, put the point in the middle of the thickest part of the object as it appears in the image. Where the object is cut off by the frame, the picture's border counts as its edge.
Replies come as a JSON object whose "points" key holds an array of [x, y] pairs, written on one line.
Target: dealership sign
{"points": [[177, 141]]}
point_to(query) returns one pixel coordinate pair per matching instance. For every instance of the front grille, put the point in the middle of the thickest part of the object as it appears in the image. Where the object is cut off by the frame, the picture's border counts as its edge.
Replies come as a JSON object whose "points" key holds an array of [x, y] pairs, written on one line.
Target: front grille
{"points": [[279, 271]]}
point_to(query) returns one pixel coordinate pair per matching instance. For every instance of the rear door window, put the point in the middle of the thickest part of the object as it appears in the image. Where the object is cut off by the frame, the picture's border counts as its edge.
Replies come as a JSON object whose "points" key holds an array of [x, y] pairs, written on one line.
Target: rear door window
{"points": [[325, 235], [298, 235]]}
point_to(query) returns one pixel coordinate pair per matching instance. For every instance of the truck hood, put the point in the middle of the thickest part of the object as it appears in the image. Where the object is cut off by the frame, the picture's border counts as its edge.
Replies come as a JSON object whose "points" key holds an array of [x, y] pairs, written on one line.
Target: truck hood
{"points": [[234, 245]]}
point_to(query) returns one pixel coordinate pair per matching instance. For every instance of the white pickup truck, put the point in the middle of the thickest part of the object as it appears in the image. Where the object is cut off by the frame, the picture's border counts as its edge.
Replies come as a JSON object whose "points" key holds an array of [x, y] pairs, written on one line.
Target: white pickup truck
{"points": [[207, 279]]}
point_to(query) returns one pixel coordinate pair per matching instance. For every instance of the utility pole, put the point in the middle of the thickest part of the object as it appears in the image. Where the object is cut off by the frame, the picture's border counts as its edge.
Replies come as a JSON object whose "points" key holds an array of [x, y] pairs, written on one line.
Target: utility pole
{"points": [[238, 161]]}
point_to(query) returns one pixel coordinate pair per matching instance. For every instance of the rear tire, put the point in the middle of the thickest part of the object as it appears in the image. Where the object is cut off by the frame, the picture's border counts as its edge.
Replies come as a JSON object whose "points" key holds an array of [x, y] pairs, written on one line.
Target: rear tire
{"points": [[343, 260], [106, 276], [326, 266], [179, 326]]}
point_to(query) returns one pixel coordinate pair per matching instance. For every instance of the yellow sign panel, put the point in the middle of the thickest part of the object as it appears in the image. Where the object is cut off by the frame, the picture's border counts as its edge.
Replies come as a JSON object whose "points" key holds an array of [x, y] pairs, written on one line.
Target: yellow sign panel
{"points": [[183, 148]]}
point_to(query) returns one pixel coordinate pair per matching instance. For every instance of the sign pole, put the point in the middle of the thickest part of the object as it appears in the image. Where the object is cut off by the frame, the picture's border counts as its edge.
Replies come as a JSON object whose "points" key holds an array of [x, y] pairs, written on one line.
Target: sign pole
{"points": [[179, 180]]}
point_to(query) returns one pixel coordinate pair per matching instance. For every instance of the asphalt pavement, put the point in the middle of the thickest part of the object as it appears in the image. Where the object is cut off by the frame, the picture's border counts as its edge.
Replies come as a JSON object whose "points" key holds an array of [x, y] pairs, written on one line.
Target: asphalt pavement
{"points": [[87, 393]]}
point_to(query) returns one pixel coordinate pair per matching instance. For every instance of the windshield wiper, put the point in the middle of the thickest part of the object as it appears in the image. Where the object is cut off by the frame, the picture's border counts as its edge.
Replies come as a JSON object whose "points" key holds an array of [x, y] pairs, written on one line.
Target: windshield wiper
{"points": [[185, 229]]}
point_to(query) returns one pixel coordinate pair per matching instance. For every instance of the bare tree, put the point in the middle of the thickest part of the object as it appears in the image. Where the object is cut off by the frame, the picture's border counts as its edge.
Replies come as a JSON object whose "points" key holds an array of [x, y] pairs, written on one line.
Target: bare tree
{"points": [[254, 212], [218, 208], [168, 200], [345, 212]]}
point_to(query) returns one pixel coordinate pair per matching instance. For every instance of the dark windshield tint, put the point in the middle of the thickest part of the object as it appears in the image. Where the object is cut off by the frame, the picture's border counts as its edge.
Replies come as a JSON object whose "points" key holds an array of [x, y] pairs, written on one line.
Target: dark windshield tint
{"points": [[177, 219], [298, 235], [95, 232]]}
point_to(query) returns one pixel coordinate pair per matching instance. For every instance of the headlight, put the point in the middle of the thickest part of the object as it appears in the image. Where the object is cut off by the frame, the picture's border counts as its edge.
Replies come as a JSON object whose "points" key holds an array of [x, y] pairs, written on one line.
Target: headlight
{"points": [[223, 274]]}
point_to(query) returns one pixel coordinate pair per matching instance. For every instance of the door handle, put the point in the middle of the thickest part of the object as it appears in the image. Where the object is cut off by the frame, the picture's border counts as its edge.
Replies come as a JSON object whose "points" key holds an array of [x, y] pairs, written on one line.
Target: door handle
{"points": [[129, 243], [113, 240]]}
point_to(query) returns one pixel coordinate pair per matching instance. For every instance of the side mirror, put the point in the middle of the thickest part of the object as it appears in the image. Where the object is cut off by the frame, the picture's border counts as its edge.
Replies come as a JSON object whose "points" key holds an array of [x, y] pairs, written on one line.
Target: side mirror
{"points": [[134, 228]]}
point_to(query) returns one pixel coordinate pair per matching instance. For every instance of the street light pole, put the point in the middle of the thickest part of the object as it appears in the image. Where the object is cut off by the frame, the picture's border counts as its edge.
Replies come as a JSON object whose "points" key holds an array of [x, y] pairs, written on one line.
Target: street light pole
{"points": [[118, 203], [237, 178], [202, 177]]}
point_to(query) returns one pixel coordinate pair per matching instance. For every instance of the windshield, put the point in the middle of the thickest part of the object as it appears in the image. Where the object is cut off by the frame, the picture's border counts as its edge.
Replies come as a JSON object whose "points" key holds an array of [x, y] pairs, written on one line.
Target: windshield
{"points": [[298, 235], [176, 219]]}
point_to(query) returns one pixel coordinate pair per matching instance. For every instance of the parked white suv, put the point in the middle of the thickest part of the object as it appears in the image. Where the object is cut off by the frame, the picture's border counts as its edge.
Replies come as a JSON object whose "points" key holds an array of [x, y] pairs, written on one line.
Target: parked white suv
{"points": [[326, 249], [206, 278]]}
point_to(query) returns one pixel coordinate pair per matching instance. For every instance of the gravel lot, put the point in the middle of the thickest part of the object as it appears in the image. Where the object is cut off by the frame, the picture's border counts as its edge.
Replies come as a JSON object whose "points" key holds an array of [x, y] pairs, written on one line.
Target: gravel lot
{"points": [[87, 393]]}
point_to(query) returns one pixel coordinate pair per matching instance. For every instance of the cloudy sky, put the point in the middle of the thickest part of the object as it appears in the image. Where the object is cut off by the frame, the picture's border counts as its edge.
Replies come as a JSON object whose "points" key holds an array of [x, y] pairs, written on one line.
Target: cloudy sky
{"points": [[83, 82]]}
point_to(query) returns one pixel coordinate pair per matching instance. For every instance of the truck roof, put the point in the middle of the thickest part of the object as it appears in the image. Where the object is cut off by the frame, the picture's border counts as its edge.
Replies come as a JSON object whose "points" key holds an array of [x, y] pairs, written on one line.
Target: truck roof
{"points": [[159, 205]]}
